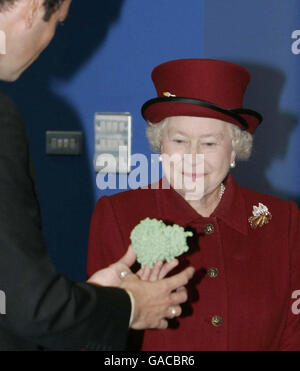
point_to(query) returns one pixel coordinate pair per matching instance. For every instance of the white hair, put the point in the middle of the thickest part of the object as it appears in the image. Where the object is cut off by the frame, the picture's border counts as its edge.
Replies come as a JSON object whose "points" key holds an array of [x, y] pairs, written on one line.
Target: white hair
{"points": [[242, 141]]}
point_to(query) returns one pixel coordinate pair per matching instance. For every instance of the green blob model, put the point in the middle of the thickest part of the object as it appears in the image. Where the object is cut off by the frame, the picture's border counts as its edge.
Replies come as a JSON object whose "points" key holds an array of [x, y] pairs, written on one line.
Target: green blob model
{"points": [[153, 241]]}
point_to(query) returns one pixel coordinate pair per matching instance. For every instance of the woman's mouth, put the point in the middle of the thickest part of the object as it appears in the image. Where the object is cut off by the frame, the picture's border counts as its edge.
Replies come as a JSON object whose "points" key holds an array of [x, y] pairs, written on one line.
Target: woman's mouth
{"points": [[194, 175]]}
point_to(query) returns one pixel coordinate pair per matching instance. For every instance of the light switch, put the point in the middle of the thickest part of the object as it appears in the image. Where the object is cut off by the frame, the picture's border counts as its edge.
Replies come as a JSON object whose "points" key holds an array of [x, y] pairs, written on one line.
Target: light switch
{"points": [[68, 143]]}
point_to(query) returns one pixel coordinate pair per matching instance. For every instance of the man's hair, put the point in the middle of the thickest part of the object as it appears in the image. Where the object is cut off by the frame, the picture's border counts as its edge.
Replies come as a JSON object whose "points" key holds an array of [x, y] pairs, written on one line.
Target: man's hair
{"points": [[51, 6]]}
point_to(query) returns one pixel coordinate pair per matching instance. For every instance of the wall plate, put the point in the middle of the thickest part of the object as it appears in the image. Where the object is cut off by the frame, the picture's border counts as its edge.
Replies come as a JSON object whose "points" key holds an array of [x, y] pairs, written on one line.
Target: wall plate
{"points": [[68, 143], [113, 142]]}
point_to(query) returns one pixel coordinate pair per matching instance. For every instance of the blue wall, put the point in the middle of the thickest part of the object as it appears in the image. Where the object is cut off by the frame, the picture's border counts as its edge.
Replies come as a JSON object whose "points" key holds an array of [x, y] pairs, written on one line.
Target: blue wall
{"points": [[101, 61], [257, 34]]}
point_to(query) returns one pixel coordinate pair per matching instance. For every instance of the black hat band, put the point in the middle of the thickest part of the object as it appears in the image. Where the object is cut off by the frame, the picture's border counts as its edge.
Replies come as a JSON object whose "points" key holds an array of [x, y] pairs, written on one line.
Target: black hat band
{"points": [[234, 113]]}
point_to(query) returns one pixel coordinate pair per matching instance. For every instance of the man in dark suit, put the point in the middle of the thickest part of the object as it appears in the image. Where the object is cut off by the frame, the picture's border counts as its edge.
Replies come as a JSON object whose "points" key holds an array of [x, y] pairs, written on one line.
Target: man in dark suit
{"points": [[45, 310]]}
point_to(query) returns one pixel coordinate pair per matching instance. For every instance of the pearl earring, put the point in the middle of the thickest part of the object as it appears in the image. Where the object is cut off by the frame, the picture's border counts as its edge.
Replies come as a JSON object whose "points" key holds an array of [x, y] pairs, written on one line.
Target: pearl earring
{"points": [[160, 158], [233, 164]]}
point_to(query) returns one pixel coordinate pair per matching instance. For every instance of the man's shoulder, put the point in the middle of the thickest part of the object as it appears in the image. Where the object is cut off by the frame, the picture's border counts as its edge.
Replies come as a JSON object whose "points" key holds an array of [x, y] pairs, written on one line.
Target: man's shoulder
{"points": [[7, 104], [10, 116]]}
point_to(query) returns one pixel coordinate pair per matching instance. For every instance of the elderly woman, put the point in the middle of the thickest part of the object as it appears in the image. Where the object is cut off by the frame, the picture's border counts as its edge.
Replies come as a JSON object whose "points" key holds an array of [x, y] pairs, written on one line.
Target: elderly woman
{"points": [[246, 245]]}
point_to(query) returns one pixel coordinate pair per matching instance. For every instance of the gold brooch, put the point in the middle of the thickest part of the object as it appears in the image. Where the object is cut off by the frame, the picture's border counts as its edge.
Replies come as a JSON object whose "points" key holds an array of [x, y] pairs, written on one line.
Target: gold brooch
{"points": [[261, 216]]}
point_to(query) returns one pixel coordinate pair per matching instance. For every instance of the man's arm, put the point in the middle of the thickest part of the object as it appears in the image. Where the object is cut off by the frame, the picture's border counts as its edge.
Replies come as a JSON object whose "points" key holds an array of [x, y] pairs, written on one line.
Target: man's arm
{"points": [[44, 307]]}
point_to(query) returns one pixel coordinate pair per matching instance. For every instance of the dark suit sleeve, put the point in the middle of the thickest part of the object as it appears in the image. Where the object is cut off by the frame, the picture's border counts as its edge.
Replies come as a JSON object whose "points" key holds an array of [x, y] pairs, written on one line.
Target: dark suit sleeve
{"points": [[42, 306]]}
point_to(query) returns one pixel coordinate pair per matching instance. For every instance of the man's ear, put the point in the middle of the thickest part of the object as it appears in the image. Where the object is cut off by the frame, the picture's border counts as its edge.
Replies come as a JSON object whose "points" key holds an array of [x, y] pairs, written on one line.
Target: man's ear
{"points": [[32, 12]]}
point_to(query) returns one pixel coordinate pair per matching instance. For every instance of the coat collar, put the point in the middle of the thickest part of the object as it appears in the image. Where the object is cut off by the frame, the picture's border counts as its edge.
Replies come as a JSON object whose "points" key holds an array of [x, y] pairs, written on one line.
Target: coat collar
{"points": [[231, 210]]}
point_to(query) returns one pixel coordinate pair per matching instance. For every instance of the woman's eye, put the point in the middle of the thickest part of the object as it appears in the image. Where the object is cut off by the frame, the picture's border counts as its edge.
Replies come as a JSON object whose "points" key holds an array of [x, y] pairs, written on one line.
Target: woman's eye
{"points": [[179, 141], [209, 144]]}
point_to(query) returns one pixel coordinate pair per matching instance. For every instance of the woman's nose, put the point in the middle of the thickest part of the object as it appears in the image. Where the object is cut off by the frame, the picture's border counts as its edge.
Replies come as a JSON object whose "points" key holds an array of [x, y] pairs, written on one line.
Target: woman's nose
{"points": [[194, 159]]}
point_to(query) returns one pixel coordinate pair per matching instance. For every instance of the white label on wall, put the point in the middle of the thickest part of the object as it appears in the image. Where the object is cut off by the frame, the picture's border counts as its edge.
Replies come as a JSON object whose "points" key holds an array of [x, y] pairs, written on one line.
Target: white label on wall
{"points": [[112, 142]]}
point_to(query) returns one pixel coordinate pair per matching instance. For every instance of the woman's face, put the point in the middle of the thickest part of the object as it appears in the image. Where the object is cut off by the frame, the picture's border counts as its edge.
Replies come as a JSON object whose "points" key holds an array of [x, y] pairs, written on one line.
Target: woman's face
{"points": [[184, 138]]}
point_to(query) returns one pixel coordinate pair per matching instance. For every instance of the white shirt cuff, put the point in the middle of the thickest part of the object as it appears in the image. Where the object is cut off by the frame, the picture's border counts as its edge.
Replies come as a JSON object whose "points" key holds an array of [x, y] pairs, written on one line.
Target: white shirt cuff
{"points": [[132, 306]]}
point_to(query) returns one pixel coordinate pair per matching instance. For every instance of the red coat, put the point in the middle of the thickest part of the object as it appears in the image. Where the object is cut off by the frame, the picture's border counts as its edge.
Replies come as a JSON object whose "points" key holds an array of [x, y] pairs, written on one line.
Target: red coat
{"points": [[257, 270]]}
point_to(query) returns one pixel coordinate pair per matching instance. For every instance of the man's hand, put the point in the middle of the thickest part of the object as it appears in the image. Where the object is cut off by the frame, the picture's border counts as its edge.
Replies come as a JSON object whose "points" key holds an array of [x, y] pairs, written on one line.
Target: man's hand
{"points": [[155, 302], [111, 276], [158, 272]]}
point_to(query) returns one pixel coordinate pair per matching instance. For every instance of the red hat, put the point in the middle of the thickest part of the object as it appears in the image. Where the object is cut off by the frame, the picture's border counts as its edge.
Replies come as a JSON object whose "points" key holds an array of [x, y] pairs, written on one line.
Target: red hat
{"points": [[201, 88]]}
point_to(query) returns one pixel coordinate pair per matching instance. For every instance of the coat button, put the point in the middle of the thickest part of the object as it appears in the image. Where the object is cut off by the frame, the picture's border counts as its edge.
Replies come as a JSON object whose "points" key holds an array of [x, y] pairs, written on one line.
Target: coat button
{"points": [[213, 272], [217, 321], [209, 229]]}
